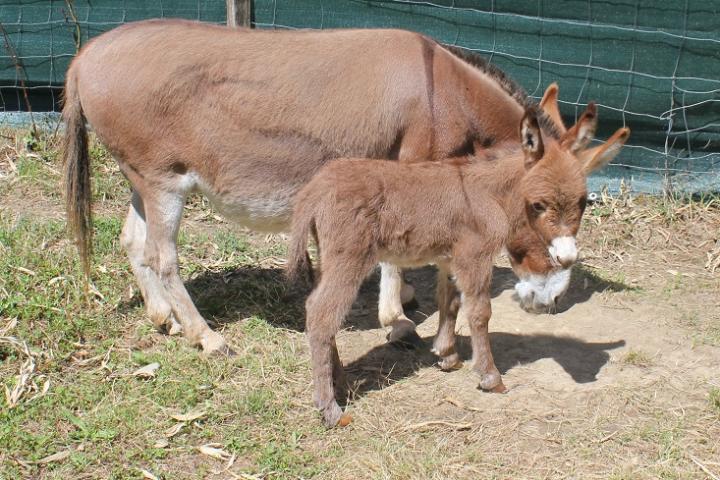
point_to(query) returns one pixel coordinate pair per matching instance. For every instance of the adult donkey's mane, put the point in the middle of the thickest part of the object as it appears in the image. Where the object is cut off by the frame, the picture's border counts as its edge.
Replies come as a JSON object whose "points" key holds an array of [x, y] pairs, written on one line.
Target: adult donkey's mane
{"points": [[508, 85]]}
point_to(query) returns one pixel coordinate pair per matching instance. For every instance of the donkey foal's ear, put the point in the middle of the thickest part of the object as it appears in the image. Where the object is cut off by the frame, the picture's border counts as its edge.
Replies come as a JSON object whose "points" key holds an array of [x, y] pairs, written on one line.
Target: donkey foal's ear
{"points": [[549, 104], [531, 139], [582, 133], [595, 158]]}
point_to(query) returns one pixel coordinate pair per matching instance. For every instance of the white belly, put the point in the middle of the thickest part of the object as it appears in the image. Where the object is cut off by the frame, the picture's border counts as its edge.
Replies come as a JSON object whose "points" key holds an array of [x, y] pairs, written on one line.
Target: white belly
{"points": [[271, 214]]}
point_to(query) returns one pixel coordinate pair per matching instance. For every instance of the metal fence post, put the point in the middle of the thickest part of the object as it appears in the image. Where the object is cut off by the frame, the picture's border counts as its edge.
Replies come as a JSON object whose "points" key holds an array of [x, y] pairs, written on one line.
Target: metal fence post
{"points": [[238, 13]]}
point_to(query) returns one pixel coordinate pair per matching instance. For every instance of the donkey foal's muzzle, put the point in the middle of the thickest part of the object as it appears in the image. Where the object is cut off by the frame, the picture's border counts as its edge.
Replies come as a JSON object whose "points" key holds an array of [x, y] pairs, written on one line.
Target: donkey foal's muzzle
{"points": [[540, 293], [563, 251]]}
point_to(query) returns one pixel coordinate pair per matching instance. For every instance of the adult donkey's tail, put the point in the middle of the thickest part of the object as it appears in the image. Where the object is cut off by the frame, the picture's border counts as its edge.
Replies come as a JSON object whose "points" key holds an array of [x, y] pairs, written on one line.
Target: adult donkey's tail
{"points": [[303, 223], [77, 171]]}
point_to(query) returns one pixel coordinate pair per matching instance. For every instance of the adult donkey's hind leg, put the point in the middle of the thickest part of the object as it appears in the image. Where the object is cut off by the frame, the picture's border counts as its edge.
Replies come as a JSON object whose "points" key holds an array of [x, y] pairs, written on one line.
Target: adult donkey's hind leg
{"points": [[390, 307], [133, 239], [163, 212]]}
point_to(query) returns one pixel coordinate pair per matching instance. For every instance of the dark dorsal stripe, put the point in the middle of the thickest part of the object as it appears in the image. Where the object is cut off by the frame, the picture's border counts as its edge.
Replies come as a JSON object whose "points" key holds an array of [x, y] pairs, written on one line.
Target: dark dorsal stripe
{"points": [[507, 84]]}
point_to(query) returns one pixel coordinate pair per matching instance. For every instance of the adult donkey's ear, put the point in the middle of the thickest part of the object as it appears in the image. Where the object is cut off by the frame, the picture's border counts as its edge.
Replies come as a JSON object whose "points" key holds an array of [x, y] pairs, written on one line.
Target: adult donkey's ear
{"points": [[531, 139], [582, 133], [597, 157], [549, 104]]}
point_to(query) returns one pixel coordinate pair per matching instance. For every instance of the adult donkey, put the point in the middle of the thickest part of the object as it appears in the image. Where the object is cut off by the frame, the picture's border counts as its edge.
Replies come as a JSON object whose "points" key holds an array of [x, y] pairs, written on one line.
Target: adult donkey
{"points": [[247, 118]]}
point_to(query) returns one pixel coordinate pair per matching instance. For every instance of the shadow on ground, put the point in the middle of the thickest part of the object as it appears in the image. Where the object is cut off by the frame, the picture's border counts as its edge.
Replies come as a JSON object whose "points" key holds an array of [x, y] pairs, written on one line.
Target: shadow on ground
{"points": [[231, 295], [228, 296], [386, 364]]}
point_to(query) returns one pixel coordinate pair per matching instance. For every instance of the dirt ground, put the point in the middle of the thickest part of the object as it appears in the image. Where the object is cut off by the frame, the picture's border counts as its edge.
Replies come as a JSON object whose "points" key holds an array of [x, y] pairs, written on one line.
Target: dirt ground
{"points": [[622, 382]]}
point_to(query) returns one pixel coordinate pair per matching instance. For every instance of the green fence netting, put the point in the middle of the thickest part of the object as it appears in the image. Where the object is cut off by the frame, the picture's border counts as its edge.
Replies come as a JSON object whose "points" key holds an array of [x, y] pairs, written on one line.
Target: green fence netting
{"points": [[653, 66]]}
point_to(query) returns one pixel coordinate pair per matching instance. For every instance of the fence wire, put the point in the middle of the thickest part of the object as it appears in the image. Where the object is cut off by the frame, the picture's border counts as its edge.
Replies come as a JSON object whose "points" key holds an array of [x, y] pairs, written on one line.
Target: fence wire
{"points": [[652, 66]]}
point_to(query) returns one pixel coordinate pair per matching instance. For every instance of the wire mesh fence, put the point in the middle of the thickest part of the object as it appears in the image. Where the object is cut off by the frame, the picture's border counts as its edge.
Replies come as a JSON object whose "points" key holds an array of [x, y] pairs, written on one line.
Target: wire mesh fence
{"points": [[652, 66]]}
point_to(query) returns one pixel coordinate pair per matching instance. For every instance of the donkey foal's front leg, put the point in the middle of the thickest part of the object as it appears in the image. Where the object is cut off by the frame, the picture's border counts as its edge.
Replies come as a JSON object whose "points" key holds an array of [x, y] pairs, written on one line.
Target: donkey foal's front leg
{"points": [[477, 310]]}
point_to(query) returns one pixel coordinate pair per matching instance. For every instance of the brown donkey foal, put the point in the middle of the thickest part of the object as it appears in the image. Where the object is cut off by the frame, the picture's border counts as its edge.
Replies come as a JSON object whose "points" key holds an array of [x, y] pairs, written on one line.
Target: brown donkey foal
{"points": [[456, 214]]}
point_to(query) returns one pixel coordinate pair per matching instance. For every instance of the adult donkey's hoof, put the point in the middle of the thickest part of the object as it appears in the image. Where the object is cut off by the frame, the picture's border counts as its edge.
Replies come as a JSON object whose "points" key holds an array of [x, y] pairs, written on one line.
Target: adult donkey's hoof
{"points": [[213, 344], [403, 334], [174, 328], [164, 321]]}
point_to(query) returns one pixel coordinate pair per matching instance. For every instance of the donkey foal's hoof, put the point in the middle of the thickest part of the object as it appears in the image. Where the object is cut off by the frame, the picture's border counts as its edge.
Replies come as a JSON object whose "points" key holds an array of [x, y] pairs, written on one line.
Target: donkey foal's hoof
{"points": [[492, 382], [165, 322], [500, 388], [333, 416], [345, 420], [174, 328]]}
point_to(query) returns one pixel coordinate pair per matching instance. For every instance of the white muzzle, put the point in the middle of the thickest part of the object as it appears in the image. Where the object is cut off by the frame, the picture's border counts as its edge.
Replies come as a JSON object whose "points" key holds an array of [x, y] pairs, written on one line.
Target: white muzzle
{"points": [[540, 293], [563, 251]]}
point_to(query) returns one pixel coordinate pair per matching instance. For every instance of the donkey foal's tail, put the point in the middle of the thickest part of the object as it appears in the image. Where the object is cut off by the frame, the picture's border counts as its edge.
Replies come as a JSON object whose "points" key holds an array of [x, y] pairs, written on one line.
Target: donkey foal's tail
{"points": [[298, 262], [77, 172]]}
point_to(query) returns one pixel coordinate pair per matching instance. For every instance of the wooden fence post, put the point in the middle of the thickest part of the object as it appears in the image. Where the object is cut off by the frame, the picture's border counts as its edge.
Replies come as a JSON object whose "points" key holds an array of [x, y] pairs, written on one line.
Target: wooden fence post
{"points": [[238, 13]]}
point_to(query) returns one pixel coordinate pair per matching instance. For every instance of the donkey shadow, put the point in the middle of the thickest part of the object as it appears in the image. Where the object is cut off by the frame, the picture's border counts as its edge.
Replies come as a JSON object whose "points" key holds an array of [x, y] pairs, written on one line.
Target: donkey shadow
{"points": [[230, 295], [387, 364]]}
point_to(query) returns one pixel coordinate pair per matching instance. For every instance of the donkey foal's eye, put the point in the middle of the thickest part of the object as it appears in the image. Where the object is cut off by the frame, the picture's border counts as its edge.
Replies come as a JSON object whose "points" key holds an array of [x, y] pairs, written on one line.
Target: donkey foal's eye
{"points": [[538, 207]]}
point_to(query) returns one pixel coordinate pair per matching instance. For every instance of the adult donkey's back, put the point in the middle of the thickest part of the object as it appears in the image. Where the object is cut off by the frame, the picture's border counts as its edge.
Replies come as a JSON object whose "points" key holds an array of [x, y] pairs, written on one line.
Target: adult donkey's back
{"points": [[247, 118]]}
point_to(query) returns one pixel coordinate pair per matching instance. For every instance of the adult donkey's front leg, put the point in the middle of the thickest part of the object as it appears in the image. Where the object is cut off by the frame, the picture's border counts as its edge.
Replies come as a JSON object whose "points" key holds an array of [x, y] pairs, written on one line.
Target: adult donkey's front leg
{"points": [[390, 308]]}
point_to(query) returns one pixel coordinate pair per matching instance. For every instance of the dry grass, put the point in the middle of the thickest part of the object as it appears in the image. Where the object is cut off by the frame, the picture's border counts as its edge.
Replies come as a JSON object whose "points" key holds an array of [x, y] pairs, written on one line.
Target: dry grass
{"points": [[645, 403]]}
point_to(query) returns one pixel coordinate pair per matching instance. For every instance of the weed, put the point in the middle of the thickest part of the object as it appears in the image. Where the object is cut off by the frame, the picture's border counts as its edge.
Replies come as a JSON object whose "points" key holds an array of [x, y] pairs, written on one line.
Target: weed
{"points": [[636, 358], [714, 400]]}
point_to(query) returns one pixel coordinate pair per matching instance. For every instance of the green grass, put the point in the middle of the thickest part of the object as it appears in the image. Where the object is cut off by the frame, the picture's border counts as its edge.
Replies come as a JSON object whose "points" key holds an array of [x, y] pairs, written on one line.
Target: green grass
{"points": [[87, 347], [105, 416], [714, 400]]}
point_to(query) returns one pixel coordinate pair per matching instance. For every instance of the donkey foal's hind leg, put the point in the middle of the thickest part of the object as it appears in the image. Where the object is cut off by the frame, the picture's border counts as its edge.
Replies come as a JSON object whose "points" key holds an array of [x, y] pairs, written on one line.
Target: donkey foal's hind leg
{"points": [[339, 378], [326, 308], [133, 240], [163, 217], [390, 309], [444, 343]]}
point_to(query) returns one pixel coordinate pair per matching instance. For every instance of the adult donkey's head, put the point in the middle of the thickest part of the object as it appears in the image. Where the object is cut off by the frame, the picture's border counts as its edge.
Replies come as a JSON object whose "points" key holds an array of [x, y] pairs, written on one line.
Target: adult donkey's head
{"points": [[543, 248]]}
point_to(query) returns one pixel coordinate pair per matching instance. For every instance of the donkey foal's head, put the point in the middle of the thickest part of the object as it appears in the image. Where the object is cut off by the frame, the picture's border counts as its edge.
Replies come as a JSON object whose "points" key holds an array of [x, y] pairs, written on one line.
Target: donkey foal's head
{"points": [[554, 194]]}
